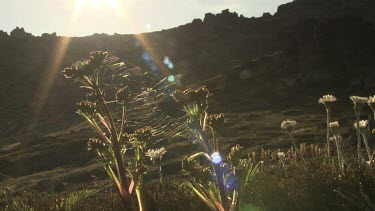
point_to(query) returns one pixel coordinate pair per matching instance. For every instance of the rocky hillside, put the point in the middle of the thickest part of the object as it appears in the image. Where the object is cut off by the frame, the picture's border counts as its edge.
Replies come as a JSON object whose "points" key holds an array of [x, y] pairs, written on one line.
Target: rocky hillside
{"points": [[261, 71], [306, 48]]}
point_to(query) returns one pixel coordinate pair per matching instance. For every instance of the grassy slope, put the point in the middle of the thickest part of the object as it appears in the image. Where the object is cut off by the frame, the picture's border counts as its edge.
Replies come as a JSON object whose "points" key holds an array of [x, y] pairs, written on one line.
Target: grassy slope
{"points": [[62, 157]]}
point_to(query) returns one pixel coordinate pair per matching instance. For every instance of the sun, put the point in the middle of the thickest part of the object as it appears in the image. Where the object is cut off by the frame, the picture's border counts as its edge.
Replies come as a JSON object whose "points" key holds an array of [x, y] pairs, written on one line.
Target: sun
{"points": [[80, 4]]}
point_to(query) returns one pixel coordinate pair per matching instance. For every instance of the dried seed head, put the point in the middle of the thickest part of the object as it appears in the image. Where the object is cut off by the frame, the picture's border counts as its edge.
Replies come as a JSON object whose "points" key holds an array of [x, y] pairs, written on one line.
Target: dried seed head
{"points": [[97, 58], [123, 95], [288, 125], [198, 96], [87, 108], [216, 121], [92, 97], [141, 136]]}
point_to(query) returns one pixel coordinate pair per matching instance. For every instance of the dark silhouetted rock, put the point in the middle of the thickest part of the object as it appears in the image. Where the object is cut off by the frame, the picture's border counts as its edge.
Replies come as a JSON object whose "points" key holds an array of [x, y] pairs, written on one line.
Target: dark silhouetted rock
{"points": [[197, 21], [49, 36], [4, 35], [20, 33], [266, 15], [208, 17]]}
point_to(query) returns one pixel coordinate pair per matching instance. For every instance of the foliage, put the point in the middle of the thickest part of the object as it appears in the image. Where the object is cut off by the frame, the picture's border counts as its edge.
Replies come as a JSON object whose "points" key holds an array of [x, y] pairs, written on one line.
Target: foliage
{"points": [[124, 107], [309, 187], [216, 183]]}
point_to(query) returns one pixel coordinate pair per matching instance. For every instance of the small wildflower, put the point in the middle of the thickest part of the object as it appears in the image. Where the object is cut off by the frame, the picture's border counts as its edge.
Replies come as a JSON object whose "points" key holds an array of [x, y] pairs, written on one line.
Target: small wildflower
{"points": [[156, 153], [371, 102], [334, 126], [327, 100], [359, 100], [362, 126], [288, 125], [281, 155]]}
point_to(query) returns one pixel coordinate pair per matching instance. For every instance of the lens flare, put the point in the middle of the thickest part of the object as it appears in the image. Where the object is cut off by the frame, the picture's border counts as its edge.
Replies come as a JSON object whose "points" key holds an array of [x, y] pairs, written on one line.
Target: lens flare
{"points": [[216, 158], [231, 182], [171, 78], [166, 60], [153, 67], [146, 57]]}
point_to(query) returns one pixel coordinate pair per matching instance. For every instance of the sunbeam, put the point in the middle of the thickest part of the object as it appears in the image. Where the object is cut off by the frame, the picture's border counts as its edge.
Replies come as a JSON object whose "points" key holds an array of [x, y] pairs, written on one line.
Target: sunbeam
{"points": [[53, 67], [156, 57]]}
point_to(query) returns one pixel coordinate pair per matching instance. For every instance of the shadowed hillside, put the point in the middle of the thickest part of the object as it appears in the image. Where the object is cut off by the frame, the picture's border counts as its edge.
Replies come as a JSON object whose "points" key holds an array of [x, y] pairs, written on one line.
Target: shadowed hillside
{"points": [[307, 48], [313, 45]]}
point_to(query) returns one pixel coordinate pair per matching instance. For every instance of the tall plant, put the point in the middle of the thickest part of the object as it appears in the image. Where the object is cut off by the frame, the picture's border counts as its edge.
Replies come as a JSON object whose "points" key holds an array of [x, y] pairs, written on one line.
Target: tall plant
{"points": [[362, 126], [334, 126], [211, 183], [121, 104], [327, 101], [358, 103]]}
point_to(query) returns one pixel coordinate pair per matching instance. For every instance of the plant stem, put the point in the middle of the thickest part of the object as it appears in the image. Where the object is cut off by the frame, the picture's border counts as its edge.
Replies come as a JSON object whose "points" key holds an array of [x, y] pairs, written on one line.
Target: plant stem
{"points": [[126, 200], [123, 119], [160, 174], [234, 203], [328, 133], [367, 147], [295, 146], [339, 155], [357, 113], [220, 183], [141, 198]]}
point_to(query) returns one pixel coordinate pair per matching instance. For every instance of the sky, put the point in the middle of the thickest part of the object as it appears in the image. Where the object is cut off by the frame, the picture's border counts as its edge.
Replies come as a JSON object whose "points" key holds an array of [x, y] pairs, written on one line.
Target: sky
{"points": [[86, 17]]}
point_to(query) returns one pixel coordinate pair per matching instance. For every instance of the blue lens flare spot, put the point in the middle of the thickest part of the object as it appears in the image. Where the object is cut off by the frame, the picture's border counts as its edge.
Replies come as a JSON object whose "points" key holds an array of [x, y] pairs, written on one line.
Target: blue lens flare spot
{"points": [[171, 78], [231, 182], [166, 60], [216, 158], [146, 57], [153, 68]]}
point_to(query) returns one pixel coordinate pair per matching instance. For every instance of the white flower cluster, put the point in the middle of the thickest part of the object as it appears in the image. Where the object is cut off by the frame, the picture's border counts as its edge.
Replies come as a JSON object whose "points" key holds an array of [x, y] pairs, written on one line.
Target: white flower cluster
{"points": [[281, 155], [362, 124], [371, 100], [326, 99], [156, 153], [359, 100], [288, 124], [334, 126]]}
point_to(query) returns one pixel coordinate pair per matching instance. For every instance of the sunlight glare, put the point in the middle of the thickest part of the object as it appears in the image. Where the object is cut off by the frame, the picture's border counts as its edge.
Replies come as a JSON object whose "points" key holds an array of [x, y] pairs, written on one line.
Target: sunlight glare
{"points": [[96, 3], [113, 3], [80, 4]]}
